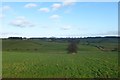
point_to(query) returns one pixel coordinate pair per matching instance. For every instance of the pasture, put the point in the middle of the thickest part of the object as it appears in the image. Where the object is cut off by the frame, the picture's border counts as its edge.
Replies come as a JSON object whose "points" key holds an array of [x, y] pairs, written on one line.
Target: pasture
{"points": [[41, 59]]}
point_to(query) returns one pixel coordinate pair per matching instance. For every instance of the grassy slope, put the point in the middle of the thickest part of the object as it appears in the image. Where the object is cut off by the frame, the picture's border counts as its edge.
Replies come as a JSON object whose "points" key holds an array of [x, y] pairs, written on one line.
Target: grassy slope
{"points": [[108, 43], [33, 46], [25, 61]]}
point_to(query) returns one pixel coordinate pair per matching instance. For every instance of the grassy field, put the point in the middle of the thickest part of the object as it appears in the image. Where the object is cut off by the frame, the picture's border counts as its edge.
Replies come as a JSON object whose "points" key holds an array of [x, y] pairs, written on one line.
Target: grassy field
{"points": [[40, 59]]}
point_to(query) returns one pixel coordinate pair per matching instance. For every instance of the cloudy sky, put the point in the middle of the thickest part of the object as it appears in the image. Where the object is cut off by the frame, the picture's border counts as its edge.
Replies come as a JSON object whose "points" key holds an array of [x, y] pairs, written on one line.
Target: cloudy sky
{"points": [[58, 19]]}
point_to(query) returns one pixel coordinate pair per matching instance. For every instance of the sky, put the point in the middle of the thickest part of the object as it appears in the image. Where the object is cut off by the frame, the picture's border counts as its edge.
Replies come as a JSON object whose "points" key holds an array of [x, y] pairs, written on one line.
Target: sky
{"points": [[58, 19]]}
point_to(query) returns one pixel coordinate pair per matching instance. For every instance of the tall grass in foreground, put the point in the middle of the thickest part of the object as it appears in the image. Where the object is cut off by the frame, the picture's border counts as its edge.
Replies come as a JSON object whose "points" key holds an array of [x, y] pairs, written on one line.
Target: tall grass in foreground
{"points": [[82, 65]]}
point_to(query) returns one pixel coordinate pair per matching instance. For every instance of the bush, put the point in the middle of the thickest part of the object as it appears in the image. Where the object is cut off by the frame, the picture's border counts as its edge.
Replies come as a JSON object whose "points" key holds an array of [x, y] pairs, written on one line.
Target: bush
{"points": [[35, 49], [72, 47]]}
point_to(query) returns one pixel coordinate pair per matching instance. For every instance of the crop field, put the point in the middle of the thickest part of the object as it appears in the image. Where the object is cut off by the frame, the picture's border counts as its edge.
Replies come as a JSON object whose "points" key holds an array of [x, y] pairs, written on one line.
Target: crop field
{"points": [[41, 59]]}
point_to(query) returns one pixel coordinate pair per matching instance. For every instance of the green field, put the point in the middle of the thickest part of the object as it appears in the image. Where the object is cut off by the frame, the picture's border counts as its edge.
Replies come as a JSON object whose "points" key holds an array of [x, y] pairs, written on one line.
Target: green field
{"points": [[41, 59]]}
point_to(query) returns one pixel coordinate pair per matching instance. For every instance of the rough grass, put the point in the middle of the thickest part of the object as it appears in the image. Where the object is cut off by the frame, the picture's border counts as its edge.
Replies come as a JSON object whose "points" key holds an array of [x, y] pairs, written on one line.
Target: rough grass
{"points": [[82, 65], [51, 60]]}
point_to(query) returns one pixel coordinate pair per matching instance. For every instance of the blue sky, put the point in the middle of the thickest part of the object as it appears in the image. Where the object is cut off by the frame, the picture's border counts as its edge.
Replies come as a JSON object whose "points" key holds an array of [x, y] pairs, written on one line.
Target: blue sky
{"points": [[59, 19]]}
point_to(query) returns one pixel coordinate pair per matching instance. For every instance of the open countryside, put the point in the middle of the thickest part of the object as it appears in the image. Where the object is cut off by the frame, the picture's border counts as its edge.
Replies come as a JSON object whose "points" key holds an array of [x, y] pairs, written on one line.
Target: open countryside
{"points": [[62, 39], [41, 58]]}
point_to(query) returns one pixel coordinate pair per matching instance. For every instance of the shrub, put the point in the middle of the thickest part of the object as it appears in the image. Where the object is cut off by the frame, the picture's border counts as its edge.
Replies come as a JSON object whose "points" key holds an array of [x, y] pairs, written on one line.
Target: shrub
{"points": [[72, 47], [35, 49]]}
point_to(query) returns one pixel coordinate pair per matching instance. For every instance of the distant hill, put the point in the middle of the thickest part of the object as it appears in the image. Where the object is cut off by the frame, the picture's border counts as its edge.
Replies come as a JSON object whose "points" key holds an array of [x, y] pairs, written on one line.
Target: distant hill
{"points": [[59, 44]]}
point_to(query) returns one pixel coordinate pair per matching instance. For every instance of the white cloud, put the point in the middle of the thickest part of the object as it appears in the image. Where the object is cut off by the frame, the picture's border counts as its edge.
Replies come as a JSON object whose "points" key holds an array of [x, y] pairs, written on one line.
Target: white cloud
{"points": [[44, 10], [68, 11], [66, 27], [55, 16], [56, 6], [5, 8], [68, 2], [109, 33], [30, 5], [2, 16], [21, 22], [8, 34]]}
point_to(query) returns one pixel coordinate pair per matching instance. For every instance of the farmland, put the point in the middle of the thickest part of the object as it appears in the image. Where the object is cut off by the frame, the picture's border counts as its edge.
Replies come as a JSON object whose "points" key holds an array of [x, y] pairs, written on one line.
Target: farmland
{"points": [[45, 59]]}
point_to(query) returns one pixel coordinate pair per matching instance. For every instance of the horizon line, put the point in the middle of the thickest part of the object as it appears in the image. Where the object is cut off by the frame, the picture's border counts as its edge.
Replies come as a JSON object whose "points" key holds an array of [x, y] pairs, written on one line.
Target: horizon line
{"points": [[58, 37]]}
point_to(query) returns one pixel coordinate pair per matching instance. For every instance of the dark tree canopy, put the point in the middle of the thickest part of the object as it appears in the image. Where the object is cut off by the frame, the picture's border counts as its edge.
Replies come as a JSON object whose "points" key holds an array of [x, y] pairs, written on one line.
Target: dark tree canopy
{"points": [[20, 38], [72, 47]]}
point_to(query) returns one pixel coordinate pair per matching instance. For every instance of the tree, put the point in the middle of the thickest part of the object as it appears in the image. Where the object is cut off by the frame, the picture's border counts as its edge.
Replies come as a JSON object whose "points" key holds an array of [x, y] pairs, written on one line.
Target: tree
{"points": [[19, 38], [72, 47]]}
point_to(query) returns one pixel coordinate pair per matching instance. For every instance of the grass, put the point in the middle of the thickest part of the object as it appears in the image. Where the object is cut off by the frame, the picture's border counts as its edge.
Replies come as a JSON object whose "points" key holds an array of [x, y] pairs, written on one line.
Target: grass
{"points": [[51, 60], [84, 65]]}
